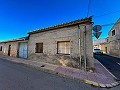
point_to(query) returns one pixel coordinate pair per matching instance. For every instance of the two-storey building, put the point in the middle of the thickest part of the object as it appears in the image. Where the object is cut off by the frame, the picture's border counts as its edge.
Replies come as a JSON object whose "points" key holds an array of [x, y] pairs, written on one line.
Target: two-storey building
{"points": [[114, 39]]}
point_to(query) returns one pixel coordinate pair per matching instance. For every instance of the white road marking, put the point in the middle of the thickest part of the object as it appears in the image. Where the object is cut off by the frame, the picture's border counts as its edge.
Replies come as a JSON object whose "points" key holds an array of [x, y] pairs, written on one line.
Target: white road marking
{"points": [[118, 63]]}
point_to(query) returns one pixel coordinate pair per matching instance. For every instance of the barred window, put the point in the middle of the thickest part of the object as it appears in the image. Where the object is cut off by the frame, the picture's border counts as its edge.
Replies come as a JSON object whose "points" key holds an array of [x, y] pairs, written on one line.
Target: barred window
{"points": [[63, 47], [113, 32], [39, 47]]}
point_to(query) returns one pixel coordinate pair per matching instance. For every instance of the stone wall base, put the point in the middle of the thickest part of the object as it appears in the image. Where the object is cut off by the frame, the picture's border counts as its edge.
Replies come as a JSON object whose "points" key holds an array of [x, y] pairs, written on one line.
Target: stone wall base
{"points": [[63, 60]]}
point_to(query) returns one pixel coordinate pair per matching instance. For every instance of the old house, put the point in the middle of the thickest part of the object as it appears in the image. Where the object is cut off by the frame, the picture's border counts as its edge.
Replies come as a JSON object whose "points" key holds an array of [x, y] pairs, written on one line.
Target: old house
{"points": [[114, 39], [68, 44], [15, 47], [101, 44]]}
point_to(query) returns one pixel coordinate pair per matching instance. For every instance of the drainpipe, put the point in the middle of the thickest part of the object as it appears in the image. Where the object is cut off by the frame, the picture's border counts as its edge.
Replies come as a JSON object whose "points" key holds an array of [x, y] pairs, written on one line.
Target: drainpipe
{"points": [[85, 61], [79, 41]]}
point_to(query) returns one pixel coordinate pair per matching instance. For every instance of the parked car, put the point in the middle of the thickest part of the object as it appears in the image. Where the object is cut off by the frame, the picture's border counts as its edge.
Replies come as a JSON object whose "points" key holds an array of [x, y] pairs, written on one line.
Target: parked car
{"points": [[97, 51]]}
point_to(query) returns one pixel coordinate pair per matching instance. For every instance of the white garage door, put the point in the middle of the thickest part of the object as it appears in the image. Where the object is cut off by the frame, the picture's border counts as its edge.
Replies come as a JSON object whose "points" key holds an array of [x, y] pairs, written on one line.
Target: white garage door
{"points": [[23, 49]]}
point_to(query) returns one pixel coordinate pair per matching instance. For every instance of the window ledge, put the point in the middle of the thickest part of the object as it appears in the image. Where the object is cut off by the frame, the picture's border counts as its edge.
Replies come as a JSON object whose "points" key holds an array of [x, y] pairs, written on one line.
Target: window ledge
{"points": [[62, 54]]}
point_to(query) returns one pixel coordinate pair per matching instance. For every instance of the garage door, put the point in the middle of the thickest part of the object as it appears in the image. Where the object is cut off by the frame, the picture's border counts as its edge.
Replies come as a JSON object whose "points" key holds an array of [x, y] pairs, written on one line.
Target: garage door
{"points": [[23, 49]]}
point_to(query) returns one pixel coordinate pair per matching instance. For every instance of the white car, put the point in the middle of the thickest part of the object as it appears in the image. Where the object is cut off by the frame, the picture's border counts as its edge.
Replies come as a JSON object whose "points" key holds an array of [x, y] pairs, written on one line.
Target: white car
{"points": [[97, 51]]}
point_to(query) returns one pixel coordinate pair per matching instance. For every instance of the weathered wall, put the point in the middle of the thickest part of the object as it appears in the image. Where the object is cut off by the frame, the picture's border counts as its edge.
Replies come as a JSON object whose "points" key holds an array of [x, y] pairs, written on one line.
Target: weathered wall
{"points": [[50, 39], [86, 34], [114, 41], [114, 47], [2, 44], [14, 48]]}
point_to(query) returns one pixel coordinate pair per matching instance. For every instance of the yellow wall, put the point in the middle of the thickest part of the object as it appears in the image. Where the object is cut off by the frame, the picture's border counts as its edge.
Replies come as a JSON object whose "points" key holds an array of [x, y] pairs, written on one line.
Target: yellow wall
{"points": [[102, 47]]}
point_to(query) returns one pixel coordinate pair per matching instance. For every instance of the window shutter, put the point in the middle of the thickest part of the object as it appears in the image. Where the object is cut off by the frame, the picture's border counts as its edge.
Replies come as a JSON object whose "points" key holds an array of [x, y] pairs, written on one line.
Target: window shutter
{"points": [[64, 47], [39, 47]]}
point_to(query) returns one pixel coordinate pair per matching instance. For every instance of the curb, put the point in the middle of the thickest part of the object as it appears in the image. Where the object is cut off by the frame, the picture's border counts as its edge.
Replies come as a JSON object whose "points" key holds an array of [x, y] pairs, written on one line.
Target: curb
{"points": [[101, 85]]}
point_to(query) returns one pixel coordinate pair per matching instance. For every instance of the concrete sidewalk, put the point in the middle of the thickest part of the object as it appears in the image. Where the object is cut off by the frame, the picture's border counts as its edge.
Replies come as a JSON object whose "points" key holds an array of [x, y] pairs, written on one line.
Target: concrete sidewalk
{"points": [[101, 76]]}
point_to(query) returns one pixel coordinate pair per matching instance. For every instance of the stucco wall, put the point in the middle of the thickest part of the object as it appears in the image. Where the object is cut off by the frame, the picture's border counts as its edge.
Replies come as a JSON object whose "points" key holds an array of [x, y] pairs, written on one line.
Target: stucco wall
{"points": [[50, 39]]}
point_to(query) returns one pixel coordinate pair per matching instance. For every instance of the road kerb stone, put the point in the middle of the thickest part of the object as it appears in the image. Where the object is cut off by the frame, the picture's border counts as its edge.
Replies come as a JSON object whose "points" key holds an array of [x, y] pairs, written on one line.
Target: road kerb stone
{"points": [[113, 84], [108, 85], [91, 83], [95, 84], [102, 85], [88, 82], [116, 83]]}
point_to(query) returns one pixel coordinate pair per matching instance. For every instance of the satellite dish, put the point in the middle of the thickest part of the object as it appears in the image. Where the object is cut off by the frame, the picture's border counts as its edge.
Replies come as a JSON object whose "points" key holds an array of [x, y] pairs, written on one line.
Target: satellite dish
{"points": [[97, 28]]}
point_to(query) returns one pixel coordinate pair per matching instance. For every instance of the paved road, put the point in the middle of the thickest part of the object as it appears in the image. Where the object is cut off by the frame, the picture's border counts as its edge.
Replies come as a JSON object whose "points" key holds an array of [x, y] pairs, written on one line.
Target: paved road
{"points": [[19, 77], [111, 63]]}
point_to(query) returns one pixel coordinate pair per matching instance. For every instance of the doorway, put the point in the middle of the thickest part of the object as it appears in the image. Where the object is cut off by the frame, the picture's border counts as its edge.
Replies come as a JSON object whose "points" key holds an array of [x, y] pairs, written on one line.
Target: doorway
{"points": [[105, 49], [23, 49], [9, 50]]}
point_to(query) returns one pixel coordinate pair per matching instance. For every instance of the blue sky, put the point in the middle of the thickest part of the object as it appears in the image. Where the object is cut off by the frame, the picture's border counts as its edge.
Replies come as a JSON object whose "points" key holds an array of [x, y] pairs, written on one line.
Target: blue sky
{"points": [[17, 17]]}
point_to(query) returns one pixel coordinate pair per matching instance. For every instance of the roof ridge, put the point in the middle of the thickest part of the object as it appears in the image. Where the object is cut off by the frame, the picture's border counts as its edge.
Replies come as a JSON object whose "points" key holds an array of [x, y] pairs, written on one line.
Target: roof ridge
{"points": [[15, 39], [78, 21]]}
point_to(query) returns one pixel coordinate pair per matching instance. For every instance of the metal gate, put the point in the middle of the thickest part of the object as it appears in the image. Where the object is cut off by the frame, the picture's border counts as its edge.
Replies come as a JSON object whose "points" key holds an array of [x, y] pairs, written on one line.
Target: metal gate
{"points": [[23, 49]]}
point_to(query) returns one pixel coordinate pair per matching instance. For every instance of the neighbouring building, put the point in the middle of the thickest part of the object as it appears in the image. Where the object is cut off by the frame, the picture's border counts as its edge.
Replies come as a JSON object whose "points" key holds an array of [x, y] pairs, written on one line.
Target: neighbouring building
{"points": [[101, 44], [114, 39], [63, 44], [15, 47]]}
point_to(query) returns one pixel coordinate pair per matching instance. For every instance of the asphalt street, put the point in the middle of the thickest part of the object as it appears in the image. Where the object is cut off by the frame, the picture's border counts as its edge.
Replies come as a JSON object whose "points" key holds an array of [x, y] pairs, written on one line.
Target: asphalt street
{"points": [[111, 63], [20, 77]]}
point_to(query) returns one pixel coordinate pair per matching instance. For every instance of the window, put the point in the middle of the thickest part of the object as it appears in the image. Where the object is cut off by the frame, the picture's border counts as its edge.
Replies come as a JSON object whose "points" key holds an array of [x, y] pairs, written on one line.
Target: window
{"points": [[39, 47], [113, 32], [1, 48], [63, 47]]}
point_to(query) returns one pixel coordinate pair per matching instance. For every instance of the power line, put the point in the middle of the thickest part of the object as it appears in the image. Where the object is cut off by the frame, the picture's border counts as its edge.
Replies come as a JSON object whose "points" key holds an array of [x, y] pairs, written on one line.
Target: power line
{"points": [[107, 14], [110, 24], [88, 7]]}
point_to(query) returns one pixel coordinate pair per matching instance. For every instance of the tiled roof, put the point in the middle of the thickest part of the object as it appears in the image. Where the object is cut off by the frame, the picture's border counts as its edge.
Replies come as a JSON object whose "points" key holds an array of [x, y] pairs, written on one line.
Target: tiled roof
{"points": [[79, 21], [18, 39]]}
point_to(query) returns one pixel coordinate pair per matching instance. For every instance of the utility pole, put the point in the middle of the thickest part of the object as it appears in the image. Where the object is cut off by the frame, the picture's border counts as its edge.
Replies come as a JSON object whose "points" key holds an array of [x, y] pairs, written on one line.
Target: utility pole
{"points": [[79, 41], [85, 61]]}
